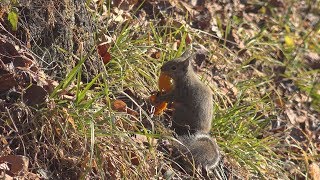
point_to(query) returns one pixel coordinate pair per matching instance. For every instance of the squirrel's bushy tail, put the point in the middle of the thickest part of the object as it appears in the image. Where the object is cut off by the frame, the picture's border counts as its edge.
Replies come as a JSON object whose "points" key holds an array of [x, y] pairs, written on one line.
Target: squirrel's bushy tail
{"points": [[198, 150]]}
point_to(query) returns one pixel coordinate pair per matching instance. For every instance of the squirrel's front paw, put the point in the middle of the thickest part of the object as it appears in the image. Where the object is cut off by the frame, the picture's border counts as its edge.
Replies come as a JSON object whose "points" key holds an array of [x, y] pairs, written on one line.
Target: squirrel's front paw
{"points": [[154, 98], [158, 98], [160, 106]]}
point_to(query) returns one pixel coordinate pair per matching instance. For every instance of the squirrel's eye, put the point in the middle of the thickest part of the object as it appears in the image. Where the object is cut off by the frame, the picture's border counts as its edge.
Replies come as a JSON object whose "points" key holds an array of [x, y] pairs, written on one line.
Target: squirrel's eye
{"points": [[173, 67]]}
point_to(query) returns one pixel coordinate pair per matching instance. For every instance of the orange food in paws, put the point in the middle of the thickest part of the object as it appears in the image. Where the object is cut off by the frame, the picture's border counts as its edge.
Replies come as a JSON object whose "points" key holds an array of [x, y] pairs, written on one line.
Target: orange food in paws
{"points": [[164, 83], [159, 107]]}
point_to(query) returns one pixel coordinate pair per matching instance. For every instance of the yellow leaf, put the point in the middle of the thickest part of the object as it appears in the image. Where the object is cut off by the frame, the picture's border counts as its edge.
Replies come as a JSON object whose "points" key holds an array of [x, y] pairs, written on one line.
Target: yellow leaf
{"points": [[13, 19], [289, 41], [263, 10]]}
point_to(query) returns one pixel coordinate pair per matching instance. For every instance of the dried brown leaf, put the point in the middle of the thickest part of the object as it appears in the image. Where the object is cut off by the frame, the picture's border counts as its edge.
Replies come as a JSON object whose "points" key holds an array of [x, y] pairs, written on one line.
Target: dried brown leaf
{"points": [[35, 95], [111, 168], [314, 171], [312, 60], [103, 52], [134, 158], [18, 164], [7, 81], [119, 105]]}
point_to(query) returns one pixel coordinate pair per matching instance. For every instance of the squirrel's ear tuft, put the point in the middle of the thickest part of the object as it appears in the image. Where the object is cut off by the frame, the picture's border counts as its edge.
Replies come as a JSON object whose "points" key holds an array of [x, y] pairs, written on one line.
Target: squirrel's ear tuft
{"points": [[186, 54], [186, 62]]}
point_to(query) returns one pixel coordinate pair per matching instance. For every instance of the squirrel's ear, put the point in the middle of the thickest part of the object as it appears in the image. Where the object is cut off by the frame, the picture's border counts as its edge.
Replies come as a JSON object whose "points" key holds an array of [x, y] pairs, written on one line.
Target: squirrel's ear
{"points": [[186, 54], [186, 62]]}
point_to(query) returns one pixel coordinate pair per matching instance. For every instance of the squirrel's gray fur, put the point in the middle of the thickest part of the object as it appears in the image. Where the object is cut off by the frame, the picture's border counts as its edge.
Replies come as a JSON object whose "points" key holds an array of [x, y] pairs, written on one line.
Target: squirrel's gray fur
{"points": [[191, 121], [196, 151], [192, 99]]}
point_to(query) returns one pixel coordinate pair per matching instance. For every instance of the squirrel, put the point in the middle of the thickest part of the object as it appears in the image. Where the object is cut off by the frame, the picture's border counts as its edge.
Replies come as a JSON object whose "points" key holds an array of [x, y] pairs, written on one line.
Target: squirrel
{"points": [[197, 150], [193, 110], [192, 99]]}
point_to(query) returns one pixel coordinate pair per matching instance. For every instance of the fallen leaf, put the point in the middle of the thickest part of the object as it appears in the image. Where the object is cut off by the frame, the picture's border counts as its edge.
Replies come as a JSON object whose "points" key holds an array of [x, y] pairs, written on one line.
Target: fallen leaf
{"points": [[102, 49], [4, 166], [312, 60], [18, 164], [13, 19], [50, 85], [5, 176], [68, 97], [314, 171], [111, 168], [119, 105], [125, 4], [86, 162], [22, 61], [132, 112], [58, 131], [106, 58], [175, 45], [33, 176], [188, 39], [296, 117], [34, 69], [34, 95], [156, 55], [7, 51], [276, 3], [125, 124], [134, 158], [279, 102], [7, 81], [103, 52], [3, 140], [288, 40]]}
